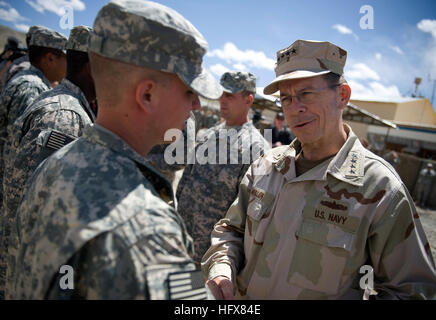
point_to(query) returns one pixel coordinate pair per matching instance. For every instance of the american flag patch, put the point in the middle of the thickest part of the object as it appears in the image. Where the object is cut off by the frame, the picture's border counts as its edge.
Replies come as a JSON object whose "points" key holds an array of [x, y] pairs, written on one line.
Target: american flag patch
{"points": [[186, 285], [57, 140]]}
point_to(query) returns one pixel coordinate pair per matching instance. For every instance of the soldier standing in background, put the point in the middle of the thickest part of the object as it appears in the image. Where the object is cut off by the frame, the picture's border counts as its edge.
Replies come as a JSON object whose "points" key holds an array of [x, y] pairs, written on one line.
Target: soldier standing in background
{"points": [[309, 215], [206, 190], [95, 204], [46, 53], [281, 135], [56, 118], [48, 64], [424, 185]]}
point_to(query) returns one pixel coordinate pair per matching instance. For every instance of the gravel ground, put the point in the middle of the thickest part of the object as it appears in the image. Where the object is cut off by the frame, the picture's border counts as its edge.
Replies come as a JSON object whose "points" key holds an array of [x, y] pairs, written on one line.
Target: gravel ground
{"points": [[428, 219]]}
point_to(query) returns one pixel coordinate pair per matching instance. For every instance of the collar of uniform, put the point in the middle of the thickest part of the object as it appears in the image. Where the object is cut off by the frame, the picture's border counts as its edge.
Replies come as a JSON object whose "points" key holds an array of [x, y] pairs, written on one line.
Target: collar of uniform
{"points": [[348, 164], [214, 131], [100, 135], [34, 70], [79, 95]]}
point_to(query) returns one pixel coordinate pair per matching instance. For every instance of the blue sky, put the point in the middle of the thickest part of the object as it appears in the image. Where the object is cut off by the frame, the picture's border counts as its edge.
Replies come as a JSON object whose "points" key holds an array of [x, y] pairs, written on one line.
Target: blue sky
{"points": [[382, 62]]}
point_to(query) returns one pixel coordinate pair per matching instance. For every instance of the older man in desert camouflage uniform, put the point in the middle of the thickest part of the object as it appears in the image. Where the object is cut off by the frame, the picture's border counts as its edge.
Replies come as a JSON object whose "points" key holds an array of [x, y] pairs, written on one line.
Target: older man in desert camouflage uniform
{"points": [[56, 118], [95, 204], [309, 215], [206, 190]]}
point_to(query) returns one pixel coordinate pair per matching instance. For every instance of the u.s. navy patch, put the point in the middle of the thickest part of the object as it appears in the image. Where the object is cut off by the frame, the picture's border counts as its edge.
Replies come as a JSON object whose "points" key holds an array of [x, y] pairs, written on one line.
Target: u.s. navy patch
{"points": [[333, 212], [186, 285]]}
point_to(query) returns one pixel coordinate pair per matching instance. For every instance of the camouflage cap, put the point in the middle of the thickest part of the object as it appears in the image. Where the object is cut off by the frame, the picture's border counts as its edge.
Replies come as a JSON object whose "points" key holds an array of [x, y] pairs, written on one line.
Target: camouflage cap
{"points": [[237, 81], [305, 59], [45, 37], [150, 35], [78, 39]]}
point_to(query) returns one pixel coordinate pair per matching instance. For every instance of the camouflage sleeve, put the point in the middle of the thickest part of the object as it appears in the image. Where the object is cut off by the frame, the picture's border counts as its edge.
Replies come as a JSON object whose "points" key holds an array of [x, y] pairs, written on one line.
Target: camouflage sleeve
{"points": [[24, 153], [226, 253], [104, 268], [403, 264], [27, 94]]}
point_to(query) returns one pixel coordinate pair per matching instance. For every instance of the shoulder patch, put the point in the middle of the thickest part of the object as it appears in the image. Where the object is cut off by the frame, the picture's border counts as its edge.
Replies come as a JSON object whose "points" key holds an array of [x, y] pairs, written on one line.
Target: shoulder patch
{"points": [[57, 140], [186, 285]]}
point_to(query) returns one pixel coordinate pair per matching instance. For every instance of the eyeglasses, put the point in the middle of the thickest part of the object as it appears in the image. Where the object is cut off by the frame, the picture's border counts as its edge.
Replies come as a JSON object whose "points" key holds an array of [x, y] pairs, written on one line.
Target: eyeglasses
{"points": [[306, 96]]}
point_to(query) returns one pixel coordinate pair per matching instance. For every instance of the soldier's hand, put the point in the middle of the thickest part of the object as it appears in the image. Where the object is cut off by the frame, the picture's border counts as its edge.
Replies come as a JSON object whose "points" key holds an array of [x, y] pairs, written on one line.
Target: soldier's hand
{"points": [[221, 288]]}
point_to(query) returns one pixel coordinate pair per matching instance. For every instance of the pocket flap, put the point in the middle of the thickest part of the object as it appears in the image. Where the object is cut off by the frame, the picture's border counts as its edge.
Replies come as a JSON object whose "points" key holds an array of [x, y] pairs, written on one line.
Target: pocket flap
{"points": [[325, 234]]}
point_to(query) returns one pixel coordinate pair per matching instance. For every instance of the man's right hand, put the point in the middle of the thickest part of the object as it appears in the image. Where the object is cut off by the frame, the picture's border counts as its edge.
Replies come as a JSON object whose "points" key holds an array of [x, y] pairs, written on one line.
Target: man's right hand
{"points": [[221, 288]]}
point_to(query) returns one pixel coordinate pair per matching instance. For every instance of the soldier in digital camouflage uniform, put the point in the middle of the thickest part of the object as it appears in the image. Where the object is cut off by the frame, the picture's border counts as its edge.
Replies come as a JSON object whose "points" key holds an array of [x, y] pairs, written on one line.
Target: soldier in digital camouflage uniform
{"points": [[56, 118], [16, 66], [95, 204], [48, 64], [309, 215], [206, 191]]}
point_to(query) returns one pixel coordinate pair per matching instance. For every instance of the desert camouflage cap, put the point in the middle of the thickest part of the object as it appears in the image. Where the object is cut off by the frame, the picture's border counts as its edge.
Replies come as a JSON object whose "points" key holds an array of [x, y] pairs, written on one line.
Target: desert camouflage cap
{"points": [[78, 39], [150, 35], [237, 81], [45, 37], [305, 59]]}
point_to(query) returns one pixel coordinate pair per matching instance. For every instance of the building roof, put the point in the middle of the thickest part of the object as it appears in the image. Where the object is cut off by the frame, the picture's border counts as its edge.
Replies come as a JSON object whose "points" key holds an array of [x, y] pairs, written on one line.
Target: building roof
{"points": [[354, 113]]}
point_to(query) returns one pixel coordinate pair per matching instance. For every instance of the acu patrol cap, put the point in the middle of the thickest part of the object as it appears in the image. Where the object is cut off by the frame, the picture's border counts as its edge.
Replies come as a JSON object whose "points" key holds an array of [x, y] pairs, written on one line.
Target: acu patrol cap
{"points": [[45, 37], [237, 81], [150, 35], [306, 59], [78, 39]]}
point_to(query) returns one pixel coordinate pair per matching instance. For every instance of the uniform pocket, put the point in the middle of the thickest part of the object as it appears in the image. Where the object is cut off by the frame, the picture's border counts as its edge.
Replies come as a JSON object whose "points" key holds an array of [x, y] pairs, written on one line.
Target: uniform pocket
{"points": [[320, 256], [258, 211]]}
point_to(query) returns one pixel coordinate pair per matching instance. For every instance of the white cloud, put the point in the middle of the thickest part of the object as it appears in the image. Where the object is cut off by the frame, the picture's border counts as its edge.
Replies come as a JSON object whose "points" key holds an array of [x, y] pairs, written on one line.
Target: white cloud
{"points": [[427, 25], [344, 30], [240, 67], [8, 13], [21, 27], [374, 90], [218, 69], [397, 49], [361, 71], [378, 56], [232, 55], [56, 6]]}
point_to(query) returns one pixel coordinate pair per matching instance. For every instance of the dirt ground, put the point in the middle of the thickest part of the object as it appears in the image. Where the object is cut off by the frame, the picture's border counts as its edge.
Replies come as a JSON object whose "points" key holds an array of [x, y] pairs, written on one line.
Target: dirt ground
{"points": [[428, 219]]}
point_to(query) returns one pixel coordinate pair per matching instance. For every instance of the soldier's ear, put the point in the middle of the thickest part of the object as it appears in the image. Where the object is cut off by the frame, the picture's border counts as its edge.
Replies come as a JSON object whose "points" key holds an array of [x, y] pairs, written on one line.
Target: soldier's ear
{"points": [[344, 95], [249, 99], [144, 94]]}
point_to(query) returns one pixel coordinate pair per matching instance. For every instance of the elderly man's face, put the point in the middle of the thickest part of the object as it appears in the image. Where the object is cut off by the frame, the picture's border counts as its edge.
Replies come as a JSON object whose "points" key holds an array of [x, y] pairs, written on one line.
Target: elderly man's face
{"points": [[317, 116]]}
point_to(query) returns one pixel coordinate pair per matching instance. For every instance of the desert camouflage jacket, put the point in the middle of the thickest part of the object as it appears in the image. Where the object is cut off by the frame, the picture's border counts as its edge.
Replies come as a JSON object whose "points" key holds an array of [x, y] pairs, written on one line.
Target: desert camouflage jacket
{"points": [[97, 206], [306, 237]]}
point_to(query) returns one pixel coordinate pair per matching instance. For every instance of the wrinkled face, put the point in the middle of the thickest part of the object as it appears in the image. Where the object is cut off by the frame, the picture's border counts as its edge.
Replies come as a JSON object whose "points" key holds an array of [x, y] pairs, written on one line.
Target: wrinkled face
{"points": [[233, 107], [175, 101], [318, 116]]}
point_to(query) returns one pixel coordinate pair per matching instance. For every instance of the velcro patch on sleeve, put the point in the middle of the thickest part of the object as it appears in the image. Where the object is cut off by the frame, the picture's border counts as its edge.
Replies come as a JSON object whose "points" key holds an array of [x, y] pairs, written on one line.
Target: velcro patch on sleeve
{"points": [[186, 285], [57, 140]]}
